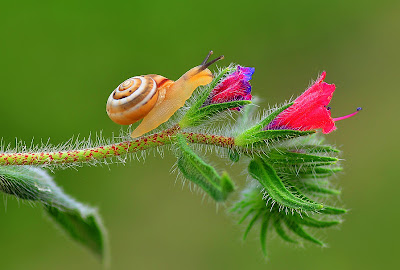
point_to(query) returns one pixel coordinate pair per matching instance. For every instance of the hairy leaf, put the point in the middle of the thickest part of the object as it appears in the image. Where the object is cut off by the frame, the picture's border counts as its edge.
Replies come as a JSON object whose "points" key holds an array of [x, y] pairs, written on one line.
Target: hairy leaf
{"points": [[201, 173], [297, 229], [79, 221], [273, 185], [261, 138], [281, 232]]}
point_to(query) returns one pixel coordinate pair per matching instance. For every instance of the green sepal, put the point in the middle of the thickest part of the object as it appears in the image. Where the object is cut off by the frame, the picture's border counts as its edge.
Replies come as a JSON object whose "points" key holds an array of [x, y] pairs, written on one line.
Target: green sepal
{"points": [[273, 185], [203, 96], [202, 174], [79, 221], [205, 113], [268, 136], [298, 230]]}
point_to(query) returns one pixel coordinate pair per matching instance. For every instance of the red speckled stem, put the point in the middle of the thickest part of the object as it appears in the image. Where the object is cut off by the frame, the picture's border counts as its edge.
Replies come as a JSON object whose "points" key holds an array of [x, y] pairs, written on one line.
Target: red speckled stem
{"points": [[101, 152]]}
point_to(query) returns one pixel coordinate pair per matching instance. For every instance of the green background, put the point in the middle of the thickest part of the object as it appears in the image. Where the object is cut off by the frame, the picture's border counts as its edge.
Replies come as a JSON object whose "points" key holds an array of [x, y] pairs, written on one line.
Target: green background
{"points": [[60, 61]]}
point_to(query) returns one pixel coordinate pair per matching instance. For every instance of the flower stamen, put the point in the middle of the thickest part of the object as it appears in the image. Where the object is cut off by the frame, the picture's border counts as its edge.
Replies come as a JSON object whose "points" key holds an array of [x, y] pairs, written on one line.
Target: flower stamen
{"points": [[347, 116]]}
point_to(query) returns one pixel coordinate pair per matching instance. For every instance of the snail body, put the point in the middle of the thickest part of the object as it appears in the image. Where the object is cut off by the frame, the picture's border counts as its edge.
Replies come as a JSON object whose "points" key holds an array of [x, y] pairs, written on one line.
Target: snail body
{"points": [[154, 98]]}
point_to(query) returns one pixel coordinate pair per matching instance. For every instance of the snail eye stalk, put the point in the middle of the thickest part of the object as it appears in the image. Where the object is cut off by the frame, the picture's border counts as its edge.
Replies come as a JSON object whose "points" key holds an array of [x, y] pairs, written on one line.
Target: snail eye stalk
{"points": [[206, 64]]}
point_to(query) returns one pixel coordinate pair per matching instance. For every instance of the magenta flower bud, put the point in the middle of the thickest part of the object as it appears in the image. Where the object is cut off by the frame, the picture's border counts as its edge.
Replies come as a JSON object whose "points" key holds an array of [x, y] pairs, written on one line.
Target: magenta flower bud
{"points": [[235, 86]]}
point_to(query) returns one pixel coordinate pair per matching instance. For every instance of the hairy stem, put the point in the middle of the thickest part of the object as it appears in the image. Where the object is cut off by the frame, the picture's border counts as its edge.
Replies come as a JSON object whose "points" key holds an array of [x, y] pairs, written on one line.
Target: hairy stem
{"points": [[164, 137]]}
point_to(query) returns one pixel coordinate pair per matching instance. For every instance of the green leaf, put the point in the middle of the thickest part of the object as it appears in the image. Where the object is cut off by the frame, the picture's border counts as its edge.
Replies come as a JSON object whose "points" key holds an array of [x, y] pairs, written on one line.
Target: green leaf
{"points": [[316, 149], [79, 221], [328, 210], [244, 217], [273, 185], [205, 113], [252, 222], [319, 189], [242, 138], [82, 223], [297, 229], [266, 121], [281, 232], [280, 156], [202, 174], [263, 233], [309, 172], [312, 222], [267, 136], [245, 115]]}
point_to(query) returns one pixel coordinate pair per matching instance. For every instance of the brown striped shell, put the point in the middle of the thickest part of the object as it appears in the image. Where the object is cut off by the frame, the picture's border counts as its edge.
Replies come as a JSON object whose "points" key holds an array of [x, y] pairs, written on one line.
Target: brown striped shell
{"points": [[136, 97]]}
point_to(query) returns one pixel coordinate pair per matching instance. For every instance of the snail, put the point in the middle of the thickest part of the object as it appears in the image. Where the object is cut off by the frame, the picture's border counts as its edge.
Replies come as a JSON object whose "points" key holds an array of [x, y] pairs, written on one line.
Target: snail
{"points": [[155, 98]]}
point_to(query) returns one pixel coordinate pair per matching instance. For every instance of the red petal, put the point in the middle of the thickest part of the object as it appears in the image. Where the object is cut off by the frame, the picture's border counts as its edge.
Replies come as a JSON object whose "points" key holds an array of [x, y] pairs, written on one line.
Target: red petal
{"points": [[309, 110]]}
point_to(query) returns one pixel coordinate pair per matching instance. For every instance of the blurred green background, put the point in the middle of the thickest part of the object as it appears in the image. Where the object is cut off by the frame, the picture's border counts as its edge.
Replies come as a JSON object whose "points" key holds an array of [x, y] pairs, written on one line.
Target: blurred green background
{"points": [[60, 61]]}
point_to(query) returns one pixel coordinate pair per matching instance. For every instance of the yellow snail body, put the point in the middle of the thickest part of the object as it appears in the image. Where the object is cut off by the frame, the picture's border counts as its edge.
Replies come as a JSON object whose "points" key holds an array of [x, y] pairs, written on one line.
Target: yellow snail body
{"points": [[154, 98]]}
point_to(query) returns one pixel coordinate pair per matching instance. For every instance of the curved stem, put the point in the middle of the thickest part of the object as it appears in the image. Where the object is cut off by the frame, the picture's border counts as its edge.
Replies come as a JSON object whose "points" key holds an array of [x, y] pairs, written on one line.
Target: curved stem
{"points": [[164, 137]]}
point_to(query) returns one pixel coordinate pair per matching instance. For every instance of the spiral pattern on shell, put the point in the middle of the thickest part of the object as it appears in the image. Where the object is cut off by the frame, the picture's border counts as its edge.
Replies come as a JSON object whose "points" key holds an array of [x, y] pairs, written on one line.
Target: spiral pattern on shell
{"points": [[132, 100]]}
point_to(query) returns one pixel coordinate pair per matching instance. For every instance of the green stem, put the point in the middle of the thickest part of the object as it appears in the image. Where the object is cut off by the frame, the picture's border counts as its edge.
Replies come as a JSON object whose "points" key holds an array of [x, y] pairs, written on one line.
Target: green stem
{"points": [[164, 137]]}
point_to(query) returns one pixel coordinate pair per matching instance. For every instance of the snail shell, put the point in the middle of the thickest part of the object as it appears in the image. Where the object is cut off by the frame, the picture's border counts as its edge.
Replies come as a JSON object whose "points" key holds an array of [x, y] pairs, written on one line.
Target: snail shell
{"points": [[134, 98], [155, 98]]}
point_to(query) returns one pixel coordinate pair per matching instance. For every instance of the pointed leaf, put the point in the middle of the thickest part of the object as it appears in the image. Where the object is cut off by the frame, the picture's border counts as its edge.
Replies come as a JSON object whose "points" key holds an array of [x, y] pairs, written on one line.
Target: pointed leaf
{"points": [[328, 210], [266, 121], [268, 136], [297, 229], [299, 158], [316, 149], [281, 232], [82, 223], [266, 175], [312, 222], [263, 233], [250, 211], [79, 221], [310, 172], [202, 174], [252, 222], [246, 135], [318, 189]]}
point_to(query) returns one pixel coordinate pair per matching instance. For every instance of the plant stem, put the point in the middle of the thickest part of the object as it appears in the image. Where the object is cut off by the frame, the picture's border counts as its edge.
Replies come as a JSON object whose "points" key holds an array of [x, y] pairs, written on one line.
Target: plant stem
{"points": [[164, 137]]}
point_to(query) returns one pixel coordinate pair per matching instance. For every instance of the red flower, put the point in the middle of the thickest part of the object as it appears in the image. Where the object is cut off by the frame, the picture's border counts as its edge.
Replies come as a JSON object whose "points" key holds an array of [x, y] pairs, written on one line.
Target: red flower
{"points": [[310, 111]]}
